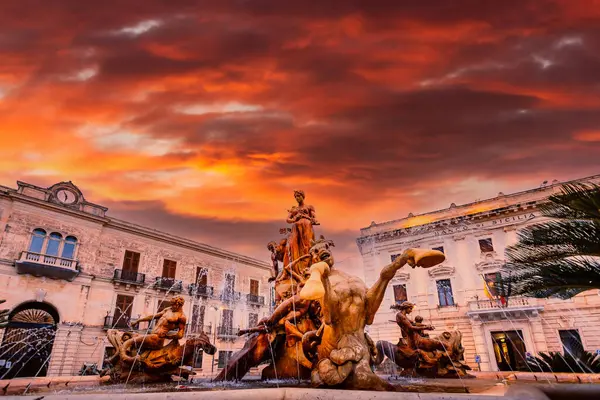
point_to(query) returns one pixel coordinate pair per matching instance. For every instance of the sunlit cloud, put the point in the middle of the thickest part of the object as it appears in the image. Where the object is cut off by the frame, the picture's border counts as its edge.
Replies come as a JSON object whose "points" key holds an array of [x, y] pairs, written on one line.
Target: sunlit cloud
{"points": [[542, 61], [116, 139], [568, 41], [139, 28], [231, 107], [81, 75], [216, 114], [588, 136]]}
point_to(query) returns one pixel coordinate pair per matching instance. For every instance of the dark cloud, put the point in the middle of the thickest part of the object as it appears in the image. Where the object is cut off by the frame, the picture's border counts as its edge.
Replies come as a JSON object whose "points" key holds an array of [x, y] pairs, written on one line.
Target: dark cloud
{"points": [[226, 234], [359, 101]]}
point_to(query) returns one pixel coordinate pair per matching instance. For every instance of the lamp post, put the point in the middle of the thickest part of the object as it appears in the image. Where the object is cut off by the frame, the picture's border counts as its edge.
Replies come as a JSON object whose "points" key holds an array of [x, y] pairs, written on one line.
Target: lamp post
{"points": [[212, 367]]}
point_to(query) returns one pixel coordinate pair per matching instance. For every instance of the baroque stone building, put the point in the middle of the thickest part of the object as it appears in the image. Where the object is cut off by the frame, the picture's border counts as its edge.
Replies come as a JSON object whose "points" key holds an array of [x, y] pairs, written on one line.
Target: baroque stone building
{"points": [[498, 332], [69, 272]]}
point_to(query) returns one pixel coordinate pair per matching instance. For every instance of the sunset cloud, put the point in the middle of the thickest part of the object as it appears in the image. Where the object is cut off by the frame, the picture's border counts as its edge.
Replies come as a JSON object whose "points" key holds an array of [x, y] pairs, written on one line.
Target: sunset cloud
{"points": [[201, 118]]}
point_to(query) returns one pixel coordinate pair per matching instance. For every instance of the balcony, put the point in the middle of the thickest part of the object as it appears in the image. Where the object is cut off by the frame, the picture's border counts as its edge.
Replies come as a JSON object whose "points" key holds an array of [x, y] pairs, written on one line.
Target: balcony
{"points": [[200, 328], [200, 290], [40, 265], [513, 309], [129, 277], [110, 322], [229, 296], [227, 333], [255, 299], [168, 284]]}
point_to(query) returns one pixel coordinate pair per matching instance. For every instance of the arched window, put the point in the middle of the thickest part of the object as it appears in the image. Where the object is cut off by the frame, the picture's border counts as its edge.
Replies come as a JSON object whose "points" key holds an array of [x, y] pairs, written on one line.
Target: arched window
{"points": [[68, 250], [53, 244], [37, 240]]}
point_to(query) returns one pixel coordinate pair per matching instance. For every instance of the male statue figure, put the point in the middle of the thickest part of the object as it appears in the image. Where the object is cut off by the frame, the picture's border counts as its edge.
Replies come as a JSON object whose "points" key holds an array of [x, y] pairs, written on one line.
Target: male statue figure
{"points": [[343, 351], [169, 319]]}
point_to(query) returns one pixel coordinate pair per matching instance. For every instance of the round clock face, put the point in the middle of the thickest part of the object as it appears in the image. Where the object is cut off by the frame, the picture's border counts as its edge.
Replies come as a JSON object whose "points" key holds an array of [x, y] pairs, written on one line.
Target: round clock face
{"points": [[66, 196]]}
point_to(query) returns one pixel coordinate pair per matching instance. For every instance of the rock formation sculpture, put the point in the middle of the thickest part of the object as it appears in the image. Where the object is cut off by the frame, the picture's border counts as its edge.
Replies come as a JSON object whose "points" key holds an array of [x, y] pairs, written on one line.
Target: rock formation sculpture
{"points": [[145, 357], [417, 354]]}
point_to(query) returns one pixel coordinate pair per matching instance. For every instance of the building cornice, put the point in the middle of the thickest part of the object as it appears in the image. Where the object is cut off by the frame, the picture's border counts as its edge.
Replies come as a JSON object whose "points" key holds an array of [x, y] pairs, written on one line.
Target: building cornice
{"points": [[134, 229], [139, 230], [473, 205], [456, 225]]}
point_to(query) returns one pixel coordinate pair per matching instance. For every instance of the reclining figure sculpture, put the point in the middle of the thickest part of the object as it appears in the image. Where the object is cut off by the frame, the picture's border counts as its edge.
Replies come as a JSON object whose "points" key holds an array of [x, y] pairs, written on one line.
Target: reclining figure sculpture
{"points": [[418, 355], [145, 358]]}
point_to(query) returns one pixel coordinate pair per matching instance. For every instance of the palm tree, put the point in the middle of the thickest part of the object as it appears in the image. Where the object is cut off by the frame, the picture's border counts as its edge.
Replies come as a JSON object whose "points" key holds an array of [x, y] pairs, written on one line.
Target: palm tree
{"points": [[585, 362], [559, 257]]}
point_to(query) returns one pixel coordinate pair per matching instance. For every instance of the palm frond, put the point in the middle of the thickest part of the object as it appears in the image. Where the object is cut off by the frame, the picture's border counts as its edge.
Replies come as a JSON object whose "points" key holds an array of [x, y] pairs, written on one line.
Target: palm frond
{"points": [[580, 236], [561, 278], [585, 362], [559, 258], [575, 201]]}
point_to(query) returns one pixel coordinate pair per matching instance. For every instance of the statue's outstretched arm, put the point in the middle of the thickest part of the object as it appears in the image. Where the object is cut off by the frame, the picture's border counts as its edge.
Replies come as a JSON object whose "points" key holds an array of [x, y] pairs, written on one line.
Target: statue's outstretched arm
{"points": [[376, 293], [149, 318]]}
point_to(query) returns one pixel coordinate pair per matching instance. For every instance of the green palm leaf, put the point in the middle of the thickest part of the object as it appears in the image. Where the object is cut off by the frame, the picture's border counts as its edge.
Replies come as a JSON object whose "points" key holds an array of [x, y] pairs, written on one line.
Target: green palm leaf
{"points": [[560, 257]]}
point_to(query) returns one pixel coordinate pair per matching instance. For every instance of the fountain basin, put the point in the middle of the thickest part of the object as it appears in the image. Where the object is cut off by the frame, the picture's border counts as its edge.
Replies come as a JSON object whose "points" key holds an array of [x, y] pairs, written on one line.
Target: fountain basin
{"points": [[94, 387], [521, 392]]}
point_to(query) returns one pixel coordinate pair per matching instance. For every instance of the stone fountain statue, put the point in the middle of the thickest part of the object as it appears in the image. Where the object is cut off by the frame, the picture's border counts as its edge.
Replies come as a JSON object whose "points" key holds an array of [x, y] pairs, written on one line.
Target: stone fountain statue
{"points": [[417, 354], [146, 358], [318, 327]]}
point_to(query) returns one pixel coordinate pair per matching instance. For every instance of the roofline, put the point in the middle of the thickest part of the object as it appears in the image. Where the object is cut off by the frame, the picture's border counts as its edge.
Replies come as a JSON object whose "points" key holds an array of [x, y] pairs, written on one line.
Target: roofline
{"points": [[135, 229], [515, 194]]}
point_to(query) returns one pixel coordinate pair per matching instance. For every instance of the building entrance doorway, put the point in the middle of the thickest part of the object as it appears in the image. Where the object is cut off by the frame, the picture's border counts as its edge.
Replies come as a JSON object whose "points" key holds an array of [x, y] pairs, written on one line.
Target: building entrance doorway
{"points": [[509, 350], [28, 340]]}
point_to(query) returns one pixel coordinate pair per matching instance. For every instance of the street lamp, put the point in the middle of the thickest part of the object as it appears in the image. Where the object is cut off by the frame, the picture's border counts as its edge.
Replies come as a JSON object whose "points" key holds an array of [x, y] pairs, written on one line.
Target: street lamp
{"points": [[212, 367]]}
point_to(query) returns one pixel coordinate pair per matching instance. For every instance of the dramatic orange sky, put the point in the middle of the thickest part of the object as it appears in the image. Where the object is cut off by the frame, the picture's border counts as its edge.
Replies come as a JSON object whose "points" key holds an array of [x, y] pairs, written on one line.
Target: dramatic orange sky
{"points": [[201, 117]]}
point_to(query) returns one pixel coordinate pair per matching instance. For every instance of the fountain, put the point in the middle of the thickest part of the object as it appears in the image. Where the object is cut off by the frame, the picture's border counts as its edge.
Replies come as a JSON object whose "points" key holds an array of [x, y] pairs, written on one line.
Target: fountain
{"points": [[145, 358], [318, 327], [418, 355], [315, 333]]}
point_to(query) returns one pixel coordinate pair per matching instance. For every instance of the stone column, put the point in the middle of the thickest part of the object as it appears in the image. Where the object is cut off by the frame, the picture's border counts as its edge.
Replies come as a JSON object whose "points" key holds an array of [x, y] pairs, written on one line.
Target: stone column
{"points": [[64, 351], [481, 348]]}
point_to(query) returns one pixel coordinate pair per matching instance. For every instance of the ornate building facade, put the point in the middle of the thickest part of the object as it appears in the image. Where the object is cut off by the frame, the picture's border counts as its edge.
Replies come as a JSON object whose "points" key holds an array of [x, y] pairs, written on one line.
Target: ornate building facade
{"points": [[69, 272], [498, 332]]}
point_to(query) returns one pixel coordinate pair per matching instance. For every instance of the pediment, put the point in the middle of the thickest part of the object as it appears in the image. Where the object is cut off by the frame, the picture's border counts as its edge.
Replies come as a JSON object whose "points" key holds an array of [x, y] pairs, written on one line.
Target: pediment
{"points": [[401, 277], [490, 265], [441, 270]]}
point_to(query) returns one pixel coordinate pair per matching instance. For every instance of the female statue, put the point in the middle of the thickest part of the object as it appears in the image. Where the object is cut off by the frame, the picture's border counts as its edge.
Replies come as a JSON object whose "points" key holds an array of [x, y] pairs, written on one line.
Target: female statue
{"points": [[302, 217]]}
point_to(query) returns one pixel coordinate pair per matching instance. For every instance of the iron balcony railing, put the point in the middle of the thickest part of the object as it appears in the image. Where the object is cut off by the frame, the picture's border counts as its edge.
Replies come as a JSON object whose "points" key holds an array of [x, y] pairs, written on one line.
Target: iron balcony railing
{"points": [[200, 328], [131, 277], [230, 296], [200, 290], [45, 259], [255, 299], [121, 322], [168, 284], [227, 332]]}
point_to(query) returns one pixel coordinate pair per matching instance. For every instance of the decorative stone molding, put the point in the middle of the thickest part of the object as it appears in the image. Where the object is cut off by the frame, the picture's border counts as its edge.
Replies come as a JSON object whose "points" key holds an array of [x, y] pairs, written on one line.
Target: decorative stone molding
{"points": [[401, 277], [441, 270], [489, 265]]}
